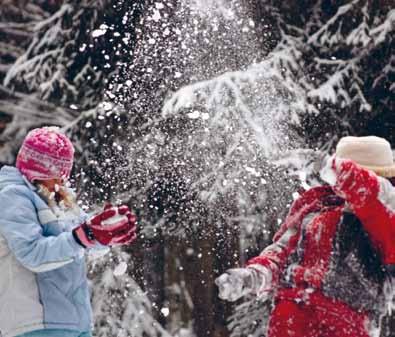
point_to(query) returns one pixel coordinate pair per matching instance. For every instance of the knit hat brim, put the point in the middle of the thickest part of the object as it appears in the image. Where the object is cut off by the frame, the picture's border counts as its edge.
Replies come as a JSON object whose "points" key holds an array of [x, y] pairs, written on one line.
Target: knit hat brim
{"points": [[383, 171]]}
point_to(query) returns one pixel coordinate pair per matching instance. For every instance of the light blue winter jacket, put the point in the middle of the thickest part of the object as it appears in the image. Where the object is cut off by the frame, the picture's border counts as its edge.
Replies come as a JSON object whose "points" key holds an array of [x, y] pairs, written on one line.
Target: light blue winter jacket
{"points": [[43, 282]]}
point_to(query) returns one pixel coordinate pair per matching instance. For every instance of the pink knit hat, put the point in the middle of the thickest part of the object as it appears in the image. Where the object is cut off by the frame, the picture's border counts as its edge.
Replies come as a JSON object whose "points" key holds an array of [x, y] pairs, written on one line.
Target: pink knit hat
{"points": [[45, 154]]}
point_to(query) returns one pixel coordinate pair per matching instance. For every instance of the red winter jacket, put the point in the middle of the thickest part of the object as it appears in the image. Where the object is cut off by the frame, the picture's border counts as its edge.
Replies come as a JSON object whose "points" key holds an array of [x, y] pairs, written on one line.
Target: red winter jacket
{"points": [[338, 246]]}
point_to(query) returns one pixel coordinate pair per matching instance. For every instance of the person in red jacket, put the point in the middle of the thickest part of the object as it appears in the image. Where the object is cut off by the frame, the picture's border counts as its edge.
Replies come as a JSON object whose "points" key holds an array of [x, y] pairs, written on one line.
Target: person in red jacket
{"points": [[334, 256]]}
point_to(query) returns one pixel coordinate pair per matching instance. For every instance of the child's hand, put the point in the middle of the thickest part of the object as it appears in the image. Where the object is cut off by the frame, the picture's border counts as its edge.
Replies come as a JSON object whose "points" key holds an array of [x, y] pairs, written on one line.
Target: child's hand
{"points": [[113, 226], [353, 182], [232, 284], [238, 282]]}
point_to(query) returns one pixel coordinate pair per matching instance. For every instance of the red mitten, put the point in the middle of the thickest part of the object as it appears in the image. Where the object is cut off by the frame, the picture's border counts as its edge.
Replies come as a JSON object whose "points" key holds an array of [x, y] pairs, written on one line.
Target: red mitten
{"points": [[354, 183], [113, 226]]}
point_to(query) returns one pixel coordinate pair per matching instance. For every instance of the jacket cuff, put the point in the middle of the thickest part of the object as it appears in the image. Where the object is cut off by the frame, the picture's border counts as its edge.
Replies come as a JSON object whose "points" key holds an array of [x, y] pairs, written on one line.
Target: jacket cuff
{"points": [[81, 237], [390, 268]]}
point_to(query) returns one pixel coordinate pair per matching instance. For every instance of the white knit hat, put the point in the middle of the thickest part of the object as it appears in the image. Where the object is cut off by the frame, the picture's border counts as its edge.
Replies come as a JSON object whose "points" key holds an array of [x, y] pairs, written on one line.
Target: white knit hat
{"points": [[371, 152]]}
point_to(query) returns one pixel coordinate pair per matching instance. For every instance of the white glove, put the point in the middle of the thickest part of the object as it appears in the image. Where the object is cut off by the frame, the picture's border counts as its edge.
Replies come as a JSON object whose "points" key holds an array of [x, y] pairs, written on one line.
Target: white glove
{"points": [[238, 282]]}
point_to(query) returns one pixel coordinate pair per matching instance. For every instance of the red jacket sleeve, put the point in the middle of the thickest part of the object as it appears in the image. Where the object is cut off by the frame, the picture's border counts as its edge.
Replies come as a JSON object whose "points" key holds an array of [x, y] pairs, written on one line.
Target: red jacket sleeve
{"points": [[275, 256], [372, 199]]}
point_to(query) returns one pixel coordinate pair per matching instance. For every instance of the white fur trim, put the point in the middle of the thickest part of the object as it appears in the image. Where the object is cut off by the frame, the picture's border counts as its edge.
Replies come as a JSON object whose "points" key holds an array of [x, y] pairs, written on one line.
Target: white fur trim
{"points": [[263, 280], [387, 194], [265, 272]]}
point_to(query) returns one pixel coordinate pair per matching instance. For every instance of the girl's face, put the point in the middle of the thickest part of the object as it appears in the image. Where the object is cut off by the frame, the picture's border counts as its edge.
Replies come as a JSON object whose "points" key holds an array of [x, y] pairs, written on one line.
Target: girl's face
{"points": [[51, 184]]}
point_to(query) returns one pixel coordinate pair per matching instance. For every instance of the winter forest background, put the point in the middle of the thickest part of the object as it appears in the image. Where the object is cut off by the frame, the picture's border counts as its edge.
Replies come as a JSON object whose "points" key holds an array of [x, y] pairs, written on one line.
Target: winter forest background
{"points": [[207, 117]]}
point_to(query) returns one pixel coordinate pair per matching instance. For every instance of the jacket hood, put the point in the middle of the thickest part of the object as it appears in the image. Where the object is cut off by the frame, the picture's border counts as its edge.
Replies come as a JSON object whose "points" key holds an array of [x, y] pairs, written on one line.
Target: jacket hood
{"points": [[10, 175]]}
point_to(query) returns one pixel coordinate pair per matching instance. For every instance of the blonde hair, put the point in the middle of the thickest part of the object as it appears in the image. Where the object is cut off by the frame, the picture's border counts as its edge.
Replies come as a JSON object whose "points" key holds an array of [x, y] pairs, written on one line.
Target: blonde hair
{"points": [[63, 199]]}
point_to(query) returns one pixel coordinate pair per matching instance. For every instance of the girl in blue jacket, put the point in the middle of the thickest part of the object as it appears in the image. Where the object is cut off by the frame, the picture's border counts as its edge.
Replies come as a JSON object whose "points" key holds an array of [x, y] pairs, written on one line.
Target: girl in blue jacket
{"points": [[43, 239]]}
